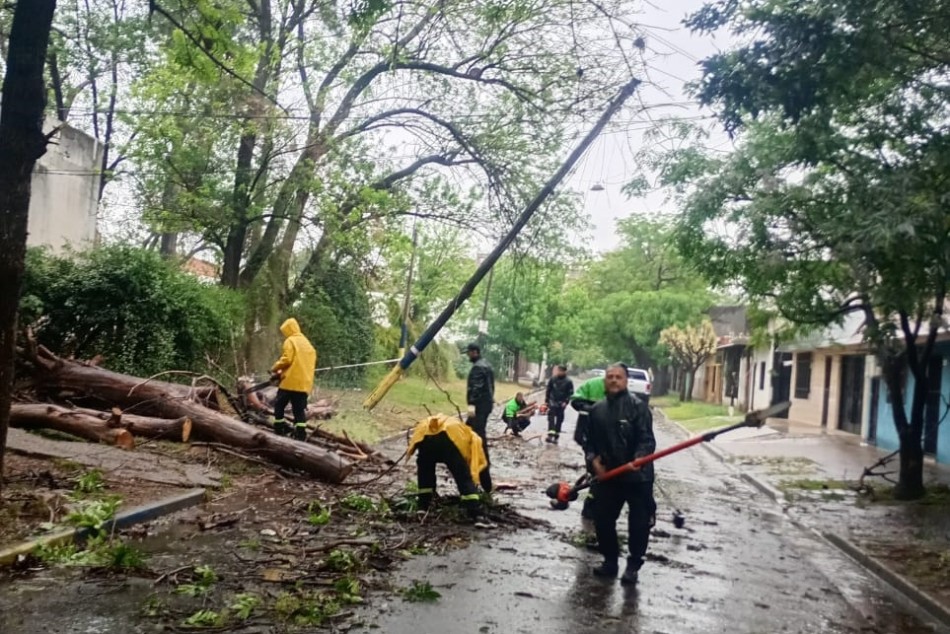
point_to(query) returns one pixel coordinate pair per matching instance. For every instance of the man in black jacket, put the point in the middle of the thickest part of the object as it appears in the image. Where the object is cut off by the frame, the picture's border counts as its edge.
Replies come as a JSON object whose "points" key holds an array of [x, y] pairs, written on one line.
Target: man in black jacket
{"points": [[557, 396], [621, 430], [481, 400]]}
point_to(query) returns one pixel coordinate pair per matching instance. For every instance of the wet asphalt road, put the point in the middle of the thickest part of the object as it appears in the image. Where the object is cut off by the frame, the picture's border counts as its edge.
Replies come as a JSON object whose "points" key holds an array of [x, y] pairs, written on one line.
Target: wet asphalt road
{"points": [[737, 566]]}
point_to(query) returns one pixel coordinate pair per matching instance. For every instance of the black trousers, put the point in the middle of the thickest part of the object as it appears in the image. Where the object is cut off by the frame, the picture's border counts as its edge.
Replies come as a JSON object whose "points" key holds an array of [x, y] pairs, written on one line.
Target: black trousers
{"points": [[479, 425], [555, 420], [436, 449], [298, 404], [611, 497], [517, 424]]}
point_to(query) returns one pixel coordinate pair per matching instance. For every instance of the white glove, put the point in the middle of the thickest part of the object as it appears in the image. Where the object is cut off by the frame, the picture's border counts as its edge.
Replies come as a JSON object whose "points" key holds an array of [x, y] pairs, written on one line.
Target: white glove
{"points": [[471, 410]]}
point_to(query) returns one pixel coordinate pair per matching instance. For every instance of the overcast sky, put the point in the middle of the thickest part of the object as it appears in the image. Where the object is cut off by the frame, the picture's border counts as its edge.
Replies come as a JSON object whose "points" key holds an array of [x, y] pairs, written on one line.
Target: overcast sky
{"points": [[610, 161]]}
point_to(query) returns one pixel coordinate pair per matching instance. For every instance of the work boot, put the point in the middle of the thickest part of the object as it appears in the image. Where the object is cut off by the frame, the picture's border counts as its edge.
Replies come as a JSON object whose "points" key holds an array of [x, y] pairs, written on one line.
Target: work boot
{"points": [[549, 439], [631, 573], [300, 431], [608, 569], [281, 428]]}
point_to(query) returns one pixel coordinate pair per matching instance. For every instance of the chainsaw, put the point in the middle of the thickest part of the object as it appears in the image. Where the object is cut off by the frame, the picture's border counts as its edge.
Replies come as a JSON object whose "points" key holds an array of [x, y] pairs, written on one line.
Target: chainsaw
{"points": [[563, 493]]}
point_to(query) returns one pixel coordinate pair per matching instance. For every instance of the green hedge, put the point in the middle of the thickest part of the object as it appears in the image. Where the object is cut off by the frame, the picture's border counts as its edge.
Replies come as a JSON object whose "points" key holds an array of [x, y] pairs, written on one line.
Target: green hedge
{"points": [[139, 312]]}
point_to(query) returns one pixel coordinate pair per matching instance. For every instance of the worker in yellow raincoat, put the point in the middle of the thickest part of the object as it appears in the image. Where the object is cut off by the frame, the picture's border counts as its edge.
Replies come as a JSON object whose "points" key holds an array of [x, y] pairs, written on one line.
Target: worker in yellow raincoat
{"points": [[295, 370], [449, 441]]}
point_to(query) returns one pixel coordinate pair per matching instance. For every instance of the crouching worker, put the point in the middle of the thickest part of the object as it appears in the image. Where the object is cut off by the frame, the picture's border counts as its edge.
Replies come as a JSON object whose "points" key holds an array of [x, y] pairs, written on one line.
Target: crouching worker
{"points": [[517, 414], [448, 441], [294, 370]]}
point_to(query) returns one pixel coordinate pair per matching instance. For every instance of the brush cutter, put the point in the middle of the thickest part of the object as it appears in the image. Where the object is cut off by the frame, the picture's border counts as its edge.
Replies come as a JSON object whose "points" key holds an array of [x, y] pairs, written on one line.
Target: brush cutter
{"points": [[563, 493]]}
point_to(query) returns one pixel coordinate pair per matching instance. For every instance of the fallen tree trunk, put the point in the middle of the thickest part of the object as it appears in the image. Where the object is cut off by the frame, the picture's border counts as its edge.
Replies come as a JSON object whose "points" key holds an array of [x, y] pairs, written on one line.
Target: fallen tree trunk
{"points": [[69, 421], [262, 401], [177, 429], [165, 400]]}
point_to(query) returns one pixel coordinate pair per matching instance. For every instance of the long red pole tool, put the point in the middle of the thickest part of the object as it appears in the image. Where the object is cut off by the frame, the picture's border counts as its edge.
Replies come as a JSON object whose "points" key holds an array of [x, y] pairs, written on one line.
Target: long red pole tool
{"points": [[562, 493]]}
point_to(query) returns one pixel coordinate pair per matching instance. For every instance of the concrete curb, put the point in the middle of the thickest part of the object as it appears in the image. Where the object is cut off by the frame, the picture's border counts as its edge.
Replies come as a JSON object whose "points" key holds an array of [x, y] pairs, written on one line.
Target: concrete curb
{"points": [[124, 519], [933, 608], [716, 452]]}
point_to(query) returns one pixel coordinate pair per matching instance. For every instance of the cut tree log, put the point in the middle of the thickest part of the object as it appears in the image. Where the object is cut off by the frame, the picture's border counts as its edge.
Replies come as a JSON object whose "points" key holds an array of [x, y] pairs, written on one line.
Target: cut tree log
{"points": [[177, 429], [165, 400], [69, 421]]}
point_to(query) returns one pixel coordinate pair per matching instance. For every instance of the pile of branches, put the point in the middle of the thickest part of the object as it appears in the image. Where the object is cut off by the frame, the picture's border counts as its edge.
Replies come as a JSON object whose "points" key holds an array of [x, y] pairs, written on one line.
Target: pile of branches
{"points": [[92, 403]]}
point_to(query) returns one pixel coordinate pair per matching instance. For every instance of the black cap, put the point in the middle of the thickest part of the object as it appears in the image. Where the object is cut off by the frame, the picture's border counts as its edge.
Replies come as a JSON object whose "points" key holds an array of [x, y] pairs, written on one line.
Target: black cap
{"points": [[473, 347]]}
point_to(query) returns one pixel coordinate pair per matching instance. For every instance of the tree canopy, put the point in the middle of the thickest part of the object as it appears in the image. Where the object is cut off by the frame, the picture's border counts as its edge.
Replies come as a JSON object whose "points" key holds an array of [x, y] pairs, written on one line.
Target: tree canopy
{"points": [[834, 199]]}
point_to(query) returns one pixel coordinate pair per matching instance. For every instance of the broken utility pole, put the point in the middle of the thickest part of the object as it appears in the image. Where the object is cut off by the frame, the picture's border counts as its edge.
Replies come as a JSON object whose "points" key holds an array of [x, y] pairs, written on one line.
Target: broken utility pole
{"points": [[426, 337]]}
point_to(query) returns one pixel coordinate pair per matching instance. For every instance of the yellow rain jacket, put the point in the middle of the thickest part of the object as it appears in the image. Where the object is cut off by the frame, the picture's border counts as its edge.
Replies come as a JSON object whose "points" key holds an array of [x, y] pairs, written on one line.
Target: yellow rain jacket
{"points": [[461, 435], [298, 359]]}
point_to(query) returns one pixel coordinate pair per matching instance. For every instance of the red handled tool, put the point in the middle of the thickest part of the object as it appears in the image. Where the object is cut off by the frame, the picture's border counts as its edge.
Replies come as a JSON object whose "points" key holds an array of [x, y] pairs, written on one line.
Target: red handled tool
{"points": [[562, 493]]}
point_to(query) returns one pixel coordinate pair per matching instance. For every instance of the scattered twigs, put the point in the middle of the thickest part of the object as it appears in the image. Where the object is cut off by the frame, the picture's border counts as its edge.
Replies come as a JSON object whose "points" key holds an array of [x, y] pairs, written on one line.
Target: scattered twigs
{"points": [[874, 471]]}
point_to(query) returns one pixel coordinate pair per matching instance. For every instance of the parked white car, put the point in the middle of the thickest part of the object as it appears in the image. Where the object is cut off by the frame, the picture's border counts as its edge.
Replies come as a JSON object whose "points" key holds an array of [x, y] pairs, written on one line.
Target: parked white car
{"points": [[640, 383]]}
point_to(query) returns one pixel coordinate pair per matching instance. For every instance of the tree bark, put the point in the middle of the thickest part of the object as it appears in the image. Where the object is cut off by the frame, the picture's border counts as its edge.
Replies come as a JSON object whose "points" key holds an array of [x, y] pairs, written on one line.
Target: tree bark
{"points": [[22, 142], [690, 379], [910, 482], [167, 400], [177, 429], [81, 424]]}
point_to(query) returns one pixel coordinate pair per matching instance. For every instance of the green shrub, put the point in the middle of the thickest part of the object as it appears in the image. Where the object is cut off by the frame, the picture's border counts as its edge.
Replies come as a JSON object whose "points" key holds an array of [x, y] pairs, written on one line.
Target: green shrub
{"points": [[139, 312], [335, 315]]}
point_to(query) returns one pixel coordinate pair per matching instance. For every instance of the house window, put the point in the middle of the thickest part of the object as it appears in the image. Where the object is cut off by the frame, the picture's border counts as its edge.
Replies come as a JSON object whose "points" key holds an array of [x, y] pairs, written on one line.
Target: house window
{"points": [[762, 375], [802, 374]]}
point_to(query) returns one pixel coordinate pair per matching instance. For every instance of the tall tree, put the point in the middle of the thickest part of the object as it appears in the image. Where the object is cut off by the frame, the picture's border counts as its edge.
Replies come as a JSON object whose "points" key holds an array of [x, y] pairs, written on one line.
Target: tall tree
{"points": [[642, 288], [22, 142], [689, 348], [835, 201]]}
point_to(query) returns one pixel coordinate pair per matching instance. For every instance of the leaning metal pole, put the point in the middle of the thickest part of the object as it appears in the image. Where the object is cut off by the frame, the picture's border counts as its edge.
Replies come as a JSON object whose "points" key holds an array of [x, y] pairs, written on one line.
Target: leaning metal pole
{"points": [[426, 337]]}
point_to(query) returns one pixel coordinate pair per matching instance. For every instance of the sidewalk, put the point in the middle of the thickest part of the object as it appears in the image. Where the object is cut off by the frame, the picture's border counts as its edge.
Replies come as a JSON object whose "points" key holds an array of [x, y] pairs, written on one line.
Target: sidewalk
{"points": [[811, 473], [820, 453]]}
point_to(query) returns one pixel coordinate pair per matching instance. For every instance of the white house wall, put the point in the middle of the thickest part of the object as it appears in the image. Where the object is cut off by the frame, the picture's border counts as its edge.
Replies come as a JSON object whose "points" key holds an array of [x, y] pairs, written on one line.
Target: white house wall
{"points": [[761, 375], [65, 190]]}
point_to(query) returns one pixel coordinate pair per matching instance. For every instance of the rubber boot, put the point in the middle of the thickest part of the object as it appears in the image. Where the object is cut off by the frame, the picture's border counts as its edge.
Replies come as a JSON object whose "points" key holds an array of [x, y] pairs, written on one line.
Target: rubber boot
{"points": [[281, 428], [300, 431], [608, 570], [631, 573]]}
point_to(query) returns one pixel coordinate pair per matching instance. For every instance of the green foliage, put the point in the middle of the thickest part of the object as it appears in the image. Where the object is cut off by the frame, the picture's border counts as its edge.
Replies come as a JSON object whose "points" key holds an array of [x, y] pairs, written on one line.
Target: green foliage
{"points": [[89, 482], [335, 314], [202, 582], [348, 590], [97, 552], [244, 605], [359, 502], [623, 302], [205, 618], [306, 609], [341, 560], [834, 200], [129, 306], [317, 514], [94, 514], [420, 592]]}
